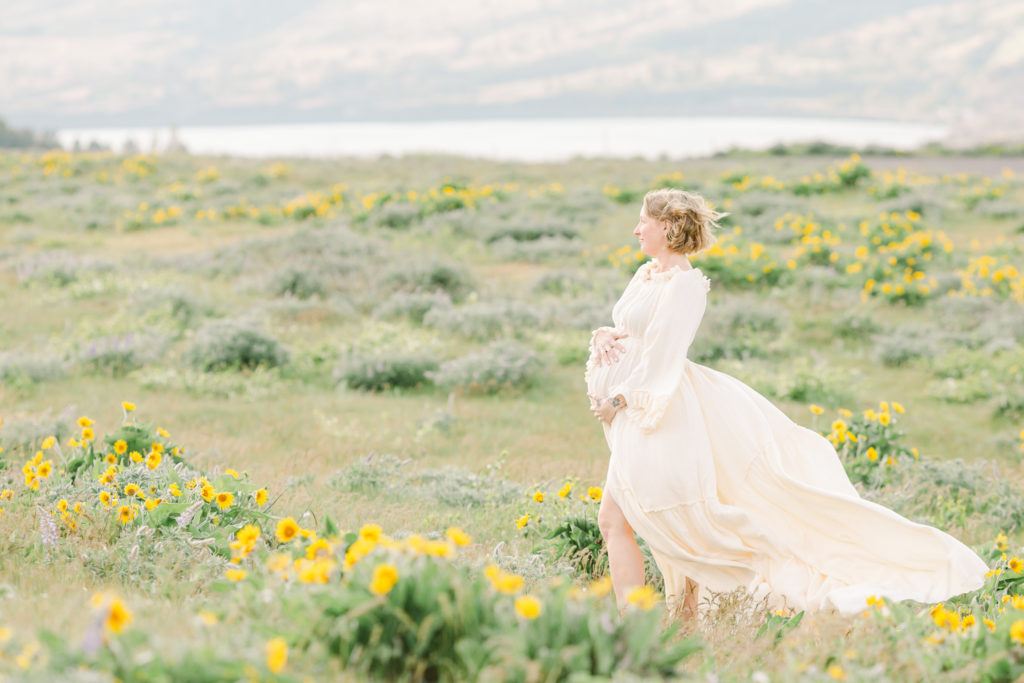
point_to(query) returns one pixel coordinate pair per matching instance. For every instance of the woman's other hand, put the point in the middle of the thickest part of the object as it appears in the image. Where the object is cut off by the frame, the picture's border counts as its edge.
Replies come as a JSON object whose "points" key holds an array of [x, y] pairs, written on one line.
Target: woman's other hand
{"points": [[607, 346], [605, 409]]}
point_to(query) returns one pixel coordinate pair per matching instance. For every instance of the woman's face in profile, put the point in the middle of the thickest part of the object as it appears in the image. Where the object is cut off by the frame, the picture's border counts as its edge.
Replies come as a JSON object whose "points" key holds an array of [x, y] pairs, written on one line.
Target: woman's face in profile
{"points": [[651, 234]]}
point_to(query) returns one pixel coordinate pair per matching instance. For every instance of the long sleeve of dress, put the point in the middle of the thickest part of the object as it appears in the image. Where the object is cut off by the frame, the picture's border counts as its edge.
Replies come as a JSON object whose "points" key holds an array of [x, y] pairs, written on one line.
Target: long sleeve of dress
{"points": [[666, 341]]}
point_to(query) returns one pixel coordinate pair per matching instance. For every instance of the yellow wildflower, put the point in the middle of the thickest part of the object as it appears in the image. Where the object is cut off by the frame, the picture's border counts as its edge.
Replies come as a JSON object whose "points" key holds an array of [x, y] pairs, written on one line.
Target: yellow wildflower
{"points": [[644, 596], [261, 497], [49, 442], [128, 406], [528, 607], [816, 409], [836, 672], [277, 654], [287, 530], [120, 447], [385, 576], [225, 500], [458, 536], [1017, 631], [153, 460], [539, 496], [135, 456], [84, 422], [235, 574]]}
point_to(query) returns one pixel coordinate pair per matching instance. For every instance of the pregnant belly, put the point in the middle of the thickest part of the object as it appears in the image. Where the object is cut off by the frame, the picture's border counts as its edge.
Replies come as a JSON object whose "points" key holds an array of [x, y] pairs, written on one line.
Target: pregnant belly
{"points": [[601, 379]]}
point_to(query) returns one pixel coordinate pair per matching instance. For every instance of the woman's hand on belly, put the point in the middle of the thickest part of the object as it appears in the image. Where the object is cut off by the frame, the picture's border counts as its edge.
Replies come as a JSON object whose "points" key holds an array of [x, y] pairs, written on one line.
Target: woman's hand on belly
{"points": [[607, 347]]}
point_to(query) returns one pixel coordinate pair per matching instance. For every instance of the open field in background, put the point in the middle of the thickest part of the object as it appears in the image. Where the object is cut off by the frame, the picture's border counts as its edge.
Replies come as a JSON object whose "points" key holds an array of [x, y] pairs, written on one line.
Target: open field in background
{"points": [[401, 342]]}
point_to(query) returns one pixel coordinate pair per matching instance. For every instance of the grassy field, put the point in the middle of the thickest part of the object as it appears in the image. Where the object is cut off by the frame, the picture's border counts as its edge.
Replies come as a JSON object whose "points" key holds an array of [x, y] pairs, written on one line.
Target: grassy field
{"points": [[401, 343]]}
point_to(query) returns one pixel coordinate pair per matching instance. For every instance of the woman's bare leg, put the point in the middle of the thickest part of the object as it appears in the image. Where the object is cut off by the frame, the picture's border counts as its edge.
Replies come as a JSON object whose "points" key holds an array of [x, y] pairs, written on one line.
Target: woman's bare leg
{"points": [[624, 558]]}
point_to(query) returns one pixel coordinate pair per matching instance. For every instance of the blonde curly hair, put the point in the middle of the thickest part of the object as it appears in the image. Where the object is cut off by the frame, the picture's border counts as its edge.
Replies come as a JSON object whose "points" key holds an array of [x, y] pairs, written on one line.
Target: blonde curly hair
{"points": [[688, 216]]}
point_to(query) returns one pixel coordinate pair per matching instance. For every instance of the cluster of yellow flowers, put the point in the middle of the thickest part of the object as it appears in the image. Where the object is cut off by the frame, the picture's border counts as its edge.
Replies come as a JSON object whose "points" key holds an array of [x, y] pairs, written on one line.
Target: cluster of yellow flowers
{"points": [[841, 432], [318, 562], [593, 494], [1004, 280]]}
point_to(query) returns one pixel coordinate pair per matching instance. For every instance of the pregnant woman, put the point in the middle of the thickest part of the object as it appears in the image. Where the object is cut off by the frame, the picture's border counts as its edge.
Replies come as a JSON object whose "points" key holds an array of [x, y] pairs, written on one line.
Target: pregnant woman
{"points": [[725, 489]]}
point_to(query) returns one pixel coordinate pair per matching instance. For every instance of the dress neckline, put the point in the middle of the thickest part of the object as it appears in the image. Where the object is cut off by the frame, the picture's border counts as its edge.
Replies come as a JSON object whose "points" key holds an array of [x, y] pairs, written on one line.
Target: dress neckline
{"points": [[665, 275]]}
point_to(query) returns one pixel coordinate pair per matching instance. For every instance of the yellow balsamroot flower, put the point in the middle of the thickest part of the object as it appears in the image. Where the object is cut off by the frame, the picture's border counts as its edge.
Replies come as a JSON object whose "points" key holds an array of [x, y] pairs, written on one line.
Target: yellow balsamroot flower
{"points": [[1017, 631], [153, 460], [437, 548], [601, 587], [371, 532], [528, 607], [6, 494], [502, 581], [989, 624], [522, 521], [839, 426], [32, 481], [277, 654], [836, 672], [319, 548], [121, 447], [207, 493], [458, 536], [105, 498], [125, 514], [132, 490], [37, 458], [968, 621], [884, 406], [225, 500], [110, 458], [539, 496], [897, 407], [564, 491], [235, 574], [231, 472], [384, 578], [117, 616], [261, 496], [84, 422], [1016, 565], [163, 432], [135, 456], [643, 596], [49, 442], [816, 409], [315, 571], [287, 530], [207, 618], [62, 505], [872, 454], [1017, 601], [1001, 541], [44, 469], [88, 434], [175, 491], [128, 406], [884, 419], [152, 503], [870, 414], [594, 492], [158, 447], [248, 534], [362, 547]]}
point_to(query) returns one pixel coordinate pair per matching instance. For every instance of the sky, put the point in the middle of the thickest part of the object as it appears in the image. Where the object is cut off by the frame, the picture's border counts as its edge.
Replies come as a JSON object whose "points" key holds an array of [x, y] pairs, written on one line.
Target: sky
{"points": [[87, 63]]}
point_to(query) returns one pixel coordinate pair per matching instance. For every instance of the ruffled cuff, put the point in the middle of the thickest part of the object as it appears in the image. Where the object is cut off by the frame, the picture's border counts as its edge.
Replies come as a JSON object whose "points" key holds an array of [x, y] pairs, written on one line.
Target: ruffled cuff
{"points": [[643, 409]]}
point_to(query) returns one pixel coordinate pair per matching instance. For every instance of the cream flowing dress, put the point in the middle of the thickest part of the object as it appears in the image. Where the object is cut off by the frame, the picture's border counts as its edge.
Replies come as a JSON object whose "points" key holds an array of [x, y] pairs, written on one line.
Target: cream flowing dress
{"points": [[729, 491]]}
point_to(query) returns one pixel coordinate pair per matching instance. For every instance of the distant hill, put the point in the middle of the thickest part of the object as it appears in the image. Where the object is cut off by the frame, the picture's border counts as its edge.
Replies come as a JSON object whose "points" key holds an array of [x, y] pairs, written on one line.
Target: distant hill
{"points": [[79, 64]]}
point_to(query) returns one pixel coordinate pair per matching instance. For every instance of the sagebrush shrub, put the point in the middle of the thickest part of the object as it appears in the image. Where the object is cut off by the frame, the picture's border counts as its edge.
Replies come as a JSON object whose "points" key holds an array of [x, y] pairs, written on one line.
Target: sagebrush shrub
{"points": [[235, 344]]}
